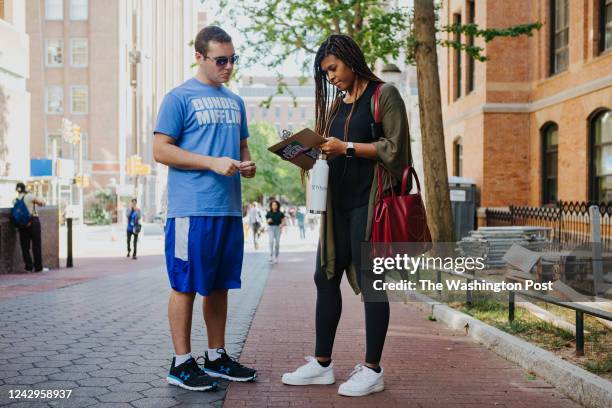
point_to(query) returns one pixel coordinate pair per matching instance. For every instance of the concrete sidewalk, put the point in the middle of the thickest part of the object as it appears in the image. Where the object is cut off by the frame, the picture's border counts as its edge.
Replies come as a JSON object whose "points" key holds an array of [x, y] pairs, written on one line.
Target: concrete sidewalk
{"points": [[426, 364]]}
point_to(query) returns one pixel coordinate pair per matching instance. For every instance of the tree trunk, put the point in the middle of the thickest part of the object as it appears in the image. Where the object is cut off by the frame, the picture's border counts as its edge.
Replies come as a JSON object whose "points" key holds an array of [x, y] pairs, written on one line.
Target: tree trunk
{"points": [[439, 214]]}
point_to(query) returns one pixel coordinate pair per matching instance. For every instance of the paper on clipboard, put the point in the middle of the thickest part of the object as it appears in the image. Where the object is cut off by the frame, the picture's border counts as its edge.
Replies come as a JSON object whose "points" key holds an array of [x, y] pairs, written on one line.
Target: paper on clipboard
{"points": [[300, 148]]}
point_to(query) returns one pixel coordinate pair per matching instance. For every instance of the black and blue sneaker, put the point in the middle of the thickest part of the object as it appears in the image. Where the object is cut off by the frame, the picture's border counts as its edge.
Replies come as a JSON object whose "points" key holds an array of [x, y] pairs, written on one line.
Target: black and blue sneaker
{"points": [[228, 368], [189, 376]]}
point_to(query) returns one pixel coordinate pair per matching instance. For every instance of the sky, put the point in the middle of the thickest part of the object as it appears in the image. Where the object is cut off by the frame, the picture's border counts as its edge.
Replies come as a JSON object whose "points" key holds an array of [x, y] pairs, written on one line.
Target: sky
{"points": [[290, 68]]}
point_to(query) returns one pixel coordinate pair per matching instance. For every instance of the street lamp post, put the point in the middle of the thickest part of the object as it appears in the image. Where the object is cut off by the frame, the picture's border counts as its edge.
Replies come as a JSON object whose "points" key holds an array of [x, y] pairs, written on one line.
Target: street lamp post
{"points": [[391, 73], [134, 61]]}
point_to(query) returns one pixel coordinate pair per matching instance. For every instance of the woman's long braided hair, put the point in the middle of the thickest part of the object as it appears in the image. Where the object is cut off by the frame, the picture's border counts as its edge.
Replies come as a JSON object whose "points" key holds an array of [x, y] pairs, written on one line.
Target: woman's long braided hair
{"points": [[327, 97]]}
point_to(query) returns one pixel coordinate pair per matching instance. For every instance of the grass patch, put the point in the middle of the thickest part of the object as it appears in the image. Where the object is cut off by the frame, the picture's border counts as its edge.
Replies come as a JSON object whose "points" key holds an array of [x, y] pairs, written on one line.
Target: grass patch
{"points": [[492, 309]]}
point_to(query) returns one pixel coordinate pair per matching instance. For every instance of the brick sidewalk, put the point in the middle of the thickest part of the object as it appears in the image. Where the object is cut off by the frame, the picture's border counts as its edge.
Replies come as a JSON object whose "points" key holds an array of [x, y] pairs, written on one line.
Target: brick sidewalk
{"points": [[426, 364]]}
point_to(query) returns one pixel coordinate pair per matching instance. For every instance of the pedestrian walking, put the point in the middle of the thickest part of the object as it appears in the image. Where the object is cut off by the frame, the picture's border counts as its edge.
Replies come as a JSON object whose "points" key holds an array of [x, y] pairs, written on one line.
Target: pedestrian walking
{"points": [[341, 116], [201, 135], [276, 222], [301, 221], [254, 221], [24, 216], [134, 226]]}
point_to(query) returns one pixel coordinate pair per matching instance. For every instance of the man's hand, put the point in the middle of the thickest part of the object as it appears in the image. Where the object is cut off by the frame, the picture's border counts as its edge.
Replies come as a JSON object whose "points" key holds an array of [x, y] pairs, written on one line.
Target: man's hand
{"points": [[333, 147], [248, 169], [225, 166]]}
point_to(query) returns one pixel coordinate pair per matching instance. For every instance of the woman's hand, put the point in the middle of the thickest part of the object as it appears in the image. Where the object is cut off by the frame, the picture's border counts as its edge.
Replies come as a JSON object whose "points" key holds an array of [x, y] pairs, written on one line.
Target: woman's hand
{"points": [[334, 147], [269, 221]]}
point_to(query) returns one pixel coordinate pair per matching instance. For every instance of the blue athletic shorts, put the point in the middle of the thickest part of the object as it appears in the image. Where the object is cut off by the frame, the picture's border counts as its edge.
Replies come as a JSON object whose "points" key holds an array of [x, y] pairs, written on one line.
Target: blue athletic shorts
{"points": [[204, 253]]}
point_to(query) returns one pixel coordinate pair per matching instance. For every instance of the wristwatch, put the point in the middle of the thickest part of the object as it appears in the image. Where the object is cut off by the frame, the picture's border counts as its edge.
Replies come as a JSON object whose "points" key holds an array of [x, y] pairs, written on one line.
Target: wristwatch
{"points": [[350, 150]]}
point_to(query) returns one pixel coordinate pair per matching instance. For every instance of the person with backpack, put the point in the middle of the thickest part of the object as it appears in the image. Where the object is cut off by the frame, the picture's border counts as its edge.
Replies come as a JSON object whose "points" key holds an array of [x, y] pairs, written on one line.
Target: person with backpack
{"points": [[133, 227], [25, 217]]}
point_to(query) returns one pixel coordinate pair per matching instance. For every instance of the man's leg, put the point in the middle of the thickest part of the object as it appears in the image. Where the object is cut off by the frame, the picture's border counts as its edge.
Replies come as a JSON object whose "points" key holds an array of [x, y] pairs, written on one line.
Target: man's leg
{"points": [[214, 308], [180, 309], [135, 245], [25, 239], [129, 238], [37, 244]]}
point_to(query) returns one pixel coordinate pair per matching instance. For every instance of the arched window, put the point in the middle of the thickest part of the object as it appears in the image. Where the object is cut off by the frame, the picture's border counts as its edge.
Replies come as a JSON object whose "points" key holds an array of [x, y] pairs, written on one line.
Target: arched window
{"points": [[457, 158], [600, 135], [550, 143]]}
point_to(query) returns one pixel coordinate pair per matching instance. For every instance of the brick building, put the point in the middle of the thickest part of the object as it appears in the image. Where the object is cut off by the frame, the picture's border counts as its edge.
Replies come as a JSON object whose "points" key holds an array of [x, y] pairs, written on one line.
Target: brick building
{"points": [[533, 124], [106, 66]]}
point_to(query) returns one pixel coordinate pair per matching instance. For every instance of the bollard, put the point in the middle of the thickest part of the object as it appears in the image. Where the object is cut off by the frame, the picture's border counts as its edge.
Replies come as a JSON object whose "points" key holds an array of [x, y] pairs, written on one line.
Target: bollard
{"points": [[510, 306], [69, 242], [579, 333]]}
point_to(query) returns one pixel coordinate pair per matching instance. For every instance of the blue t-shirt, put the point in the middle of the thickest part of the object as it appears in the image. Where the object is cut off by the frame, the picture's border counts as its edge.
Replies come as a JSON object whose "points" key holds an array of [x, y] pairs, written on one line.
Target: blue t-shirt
{"points": [[209, 121]]}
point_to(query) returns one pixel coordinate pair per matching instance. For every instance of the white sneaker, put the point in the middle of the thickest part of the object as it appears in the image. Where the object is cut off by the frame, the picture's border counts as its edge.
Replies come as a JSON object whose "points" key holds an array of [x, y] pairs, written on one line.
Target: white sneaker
{"points": [[362, 381], [311, 373]]}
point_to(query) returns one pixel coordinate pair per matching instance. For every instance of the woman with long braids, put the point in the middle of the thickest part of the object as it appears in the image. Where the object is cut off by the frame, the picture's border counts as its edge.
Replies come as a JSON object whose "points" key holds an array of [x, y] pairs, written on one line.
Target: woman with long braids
{"points": [[346, 90]]}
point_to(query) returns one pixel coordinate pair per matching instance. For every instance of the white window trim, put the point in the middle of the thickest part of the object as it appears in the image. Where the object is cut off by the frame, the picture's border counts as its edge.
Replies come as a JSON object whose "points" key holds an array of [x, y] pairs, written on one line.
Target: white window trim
{"points": [[47, 64], [86, 100], [72, 18], [61, 17], [47, 100], [72, 64], [85, 136]]}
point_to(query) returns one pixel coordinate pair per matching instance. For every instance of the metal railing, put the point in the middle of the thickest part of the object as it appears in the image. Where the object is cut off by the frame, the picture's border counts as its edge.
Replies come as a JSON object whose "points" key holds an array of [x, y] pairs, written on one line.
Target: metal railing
{"points": [[569, 220]]}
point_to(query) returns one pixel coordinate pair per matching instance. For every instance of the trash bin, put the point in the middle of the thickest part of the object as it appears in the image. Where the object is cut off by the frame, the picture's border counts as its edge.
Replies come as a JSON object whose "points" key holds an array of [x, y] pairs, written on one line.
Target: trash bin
{"points": [[464, 201]]}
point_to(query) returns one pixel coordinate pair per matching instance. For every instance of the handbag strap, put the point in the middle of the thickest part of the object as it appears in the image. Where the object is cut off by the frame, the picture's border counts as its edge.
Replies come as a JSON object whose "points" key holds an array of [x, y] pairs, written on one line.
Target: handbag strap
{"points": [[377, 112], [409, 170]]}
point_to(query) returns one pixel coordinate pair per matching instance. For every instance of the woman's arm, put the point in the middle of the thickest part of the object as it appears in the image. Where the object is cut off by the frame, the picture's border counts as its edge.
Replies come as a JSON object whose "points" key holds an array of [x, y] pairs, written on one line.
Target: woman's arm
{"points": [[335, 147]]}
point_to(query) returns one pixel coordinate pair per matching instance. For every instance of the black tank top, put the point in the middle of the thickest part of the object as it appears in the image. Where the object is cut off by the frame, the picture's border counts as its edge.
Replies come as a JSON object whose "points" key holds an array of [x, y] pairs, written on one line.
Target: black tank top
{"points": [[350, 180]]}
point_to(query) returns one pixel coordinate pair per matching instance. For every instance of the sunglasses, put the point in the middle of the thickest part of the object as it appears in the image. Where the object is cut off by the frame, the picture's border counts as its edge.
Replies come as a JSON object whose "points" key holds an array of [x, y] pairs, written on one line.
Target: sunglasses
{"points": [[222, 61]]}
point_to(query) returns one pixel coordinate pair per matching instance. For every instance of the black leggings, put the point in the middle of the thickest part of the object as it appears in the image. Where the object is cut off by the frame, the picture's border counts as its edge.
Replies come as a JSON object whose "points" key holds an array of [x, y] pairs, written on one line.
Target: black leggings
{"points": [[349, 231]]}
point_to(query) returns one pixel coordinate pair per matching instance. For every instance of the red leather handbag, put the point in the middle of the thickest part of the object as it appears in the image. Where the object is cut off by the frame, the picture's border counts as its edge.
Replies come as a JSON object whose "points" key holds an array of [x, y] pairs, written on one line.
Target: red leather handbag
{"points": [[401, 218], [398, 218]]}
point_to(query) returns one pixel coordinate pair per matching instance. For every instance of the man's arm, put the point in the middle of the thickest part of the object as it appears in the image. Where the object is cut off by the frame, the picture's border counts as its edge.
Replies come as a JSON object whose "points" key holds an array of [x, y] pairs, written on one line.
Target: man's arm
{"points": [[166, 152], [247, 167]]}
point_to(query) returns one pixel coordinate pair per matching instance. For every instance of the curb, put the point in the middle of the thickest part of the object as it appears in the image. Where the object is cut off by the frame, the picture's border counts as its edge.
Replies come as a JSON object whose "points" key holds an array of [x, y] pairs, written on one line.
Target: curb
{"points": [[578, 384]]}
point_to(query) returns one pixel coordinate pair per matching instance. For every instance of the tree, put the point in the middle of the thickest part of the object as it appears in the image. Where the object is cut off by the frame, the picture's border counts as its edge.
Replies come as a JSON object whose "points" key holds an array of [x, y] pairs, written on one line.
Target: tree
{"points": [[280, 29], [275, 177]]}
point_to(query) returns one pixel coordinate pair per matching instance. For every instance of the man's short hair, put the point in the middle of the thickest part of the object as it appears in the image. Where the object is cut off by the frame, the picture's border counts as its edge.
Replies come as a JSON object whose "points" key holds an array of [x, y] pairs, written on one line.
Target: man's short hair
{"points": [[134, 200], [207, 34]]}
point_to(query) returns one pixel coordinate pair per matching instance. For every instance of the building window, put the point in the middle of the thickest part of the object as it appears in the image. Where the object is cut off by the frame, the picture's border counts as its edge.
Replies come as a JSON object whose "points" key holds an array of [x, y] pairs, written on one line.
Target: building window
{"points": [[54, 51], [471, 62], [264, 112], [78, 99], [54, 100], [79, 53], [457, 57], [303, 113], [457, 158], [550, 143], [78, 9], [277, 112], [601, 156], [559, 47], [605, 25], [54, 9], [290, 111], [49, 144]]}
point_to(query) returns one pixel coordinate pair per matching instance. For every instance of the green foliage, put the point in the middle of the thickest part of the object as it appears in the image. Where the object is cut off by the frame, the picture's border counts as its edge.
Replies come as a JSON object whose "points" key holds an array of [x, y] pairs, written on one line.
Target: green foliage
{"points": [[275, 177], [278, 30], [98, 213]]}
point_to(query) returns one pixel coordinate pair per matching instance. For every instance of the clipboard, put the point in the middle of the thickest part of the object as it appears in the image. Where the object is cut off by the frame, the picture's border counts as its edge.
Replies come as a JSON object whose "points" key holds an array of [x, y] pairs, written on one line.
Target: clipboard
{"points": [[299, 148]]}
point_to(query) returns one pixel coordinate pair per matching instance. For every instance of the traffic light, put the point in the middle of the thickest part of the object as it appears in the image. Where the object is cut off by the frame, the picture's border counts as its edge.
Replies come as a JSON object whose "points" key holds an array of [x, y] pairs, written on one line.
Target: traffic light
{"points": [[135, 167]]}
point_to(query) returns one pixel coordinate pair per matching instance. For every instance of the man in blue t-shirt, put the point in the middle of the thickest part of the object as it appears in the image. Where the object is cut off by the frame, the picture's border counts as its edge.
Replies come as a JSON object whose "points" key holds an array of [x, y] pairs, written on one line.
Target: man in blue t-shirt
{"points": [[201, 135]]}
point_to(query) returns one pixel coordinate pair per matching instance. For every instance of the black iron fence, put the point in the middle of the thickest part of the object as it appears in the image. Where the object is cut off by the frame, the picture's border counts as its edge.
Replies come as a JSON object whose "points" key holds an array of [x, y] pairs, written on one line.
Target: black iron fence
{"points": [[570, 221]]}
